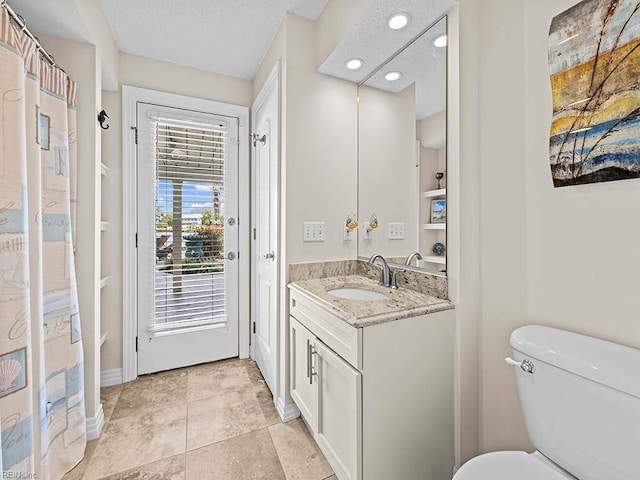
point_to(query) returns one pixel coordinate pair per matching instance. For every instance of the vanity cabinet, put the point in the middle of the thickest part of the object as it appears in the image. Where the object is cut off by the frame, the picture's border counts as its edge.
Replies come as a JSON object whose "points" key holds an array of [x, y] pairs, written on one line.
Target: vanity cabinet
{"points": [[328, 392], [378, 399]]}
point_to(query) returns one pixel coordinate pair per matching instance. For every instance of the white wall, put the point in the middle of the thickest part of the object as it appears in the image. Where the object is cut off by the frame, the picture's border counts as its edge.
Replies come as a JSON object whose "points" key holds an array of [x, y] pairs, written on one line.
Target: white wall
{"points": [[155, 75], [463, 226], [83, 64], [432, 131], [321, 150], [564, 257], [387, 169], [96, 23]]}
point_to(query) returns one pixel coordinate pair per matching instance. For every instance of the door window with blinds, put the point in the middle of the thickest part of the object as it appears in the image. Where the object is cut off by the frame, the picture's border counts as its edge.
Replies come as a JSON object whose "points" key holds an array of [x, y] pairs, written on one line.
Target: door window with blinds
{"points": [[188, 231]]}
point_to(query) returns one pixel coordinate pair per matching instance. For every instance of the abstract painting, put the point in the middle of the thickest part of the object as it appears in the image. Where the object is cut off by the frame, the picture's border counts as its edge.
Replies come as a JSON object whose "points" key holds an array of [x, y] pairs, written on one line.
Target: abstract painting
{"points": [[594, 57]]}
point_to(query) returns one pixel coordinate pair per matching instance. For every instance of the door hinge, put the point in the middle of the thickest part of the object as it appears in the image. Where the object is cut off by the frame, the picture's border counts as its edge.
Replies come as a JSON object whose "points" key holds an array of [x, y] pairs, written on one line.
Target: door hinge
{"points": [[254, 327], [136, 240], [135, 133], [136, 344], [254, 233]]}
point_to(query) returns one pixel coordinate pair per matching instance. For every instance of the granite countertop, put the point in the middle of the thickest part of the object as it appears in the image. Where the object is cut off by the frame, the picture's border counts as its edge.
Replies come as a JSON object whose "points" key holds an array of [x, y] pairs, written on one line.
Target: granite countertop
{"points": [[402, 303]]}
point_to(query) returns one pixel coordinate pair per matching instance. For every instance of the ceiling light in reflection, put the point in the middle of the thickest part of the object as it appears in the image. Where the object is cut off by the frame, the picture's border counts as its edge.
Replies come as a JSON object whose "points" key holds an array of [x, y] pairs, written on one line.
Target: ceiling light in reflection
{"points": [[354, 63], [393, 76], [440, 41], [399, 21]]}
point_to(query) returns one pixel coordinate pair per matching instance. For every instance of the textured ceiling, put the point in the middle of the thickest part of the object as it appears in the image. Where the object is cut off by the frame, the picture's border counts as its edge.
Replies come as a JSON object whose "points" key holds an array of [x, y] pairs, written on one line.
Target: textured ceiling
{"points": [[425, 65], [374, 42], [229, 37]]}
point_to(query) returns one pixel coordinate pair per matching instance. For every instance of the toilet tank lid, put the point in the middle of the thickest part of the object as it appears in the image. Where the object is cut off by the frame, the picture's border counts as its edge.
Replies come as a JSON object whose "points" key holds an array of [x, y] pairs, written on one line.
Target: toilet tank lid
{"points": [[608, 363]]}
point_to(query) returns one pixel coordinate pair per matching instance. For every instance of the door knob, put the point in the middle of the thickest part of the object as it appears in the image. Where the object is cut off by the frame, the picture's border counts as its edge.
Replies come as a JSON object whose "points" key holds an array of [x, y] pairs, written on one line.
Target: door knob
{"points": [[269, 256]]}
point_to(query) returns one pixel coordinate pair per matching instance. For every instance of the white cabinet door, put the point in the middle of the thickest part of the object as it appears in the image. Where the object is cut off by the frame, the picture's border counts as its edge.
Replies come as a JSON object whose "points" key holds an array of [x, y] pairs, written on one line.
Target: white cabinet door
{"points": [[303, 391], [339, 419]]}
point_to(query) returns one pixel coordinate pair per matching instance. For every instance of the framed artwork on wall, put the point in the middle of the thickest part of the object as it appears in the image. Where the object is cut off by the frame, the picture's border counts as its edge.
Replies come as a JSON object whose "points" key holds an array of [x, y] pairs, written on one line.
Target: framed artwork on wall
{"points": [[439, 211]]}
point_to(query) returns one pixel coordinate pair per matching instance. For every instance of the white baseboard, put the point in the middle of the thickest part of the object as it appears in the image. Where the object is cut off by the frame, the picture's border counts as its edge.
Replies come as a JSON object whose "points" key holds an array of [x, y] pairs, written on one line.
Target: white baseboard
{"points": [[110, 377], [95, 424], [287, 412]]}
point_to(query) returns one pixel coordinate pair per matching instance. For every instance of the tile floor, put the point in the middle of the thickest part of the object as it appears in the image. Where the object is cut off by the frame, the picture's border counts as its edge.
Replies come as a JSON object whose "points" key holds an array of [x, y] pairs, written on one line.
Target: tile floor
{"points": [[209, 422]]}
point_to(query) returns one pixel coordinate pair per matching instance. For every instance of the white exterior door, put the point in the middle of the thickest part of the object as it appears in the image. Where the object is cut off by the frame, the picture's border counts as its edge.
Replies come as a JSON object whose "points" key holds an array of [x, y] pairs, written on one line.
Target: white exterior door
{"points": [[339, 412], [187, 184], [265, 141]]}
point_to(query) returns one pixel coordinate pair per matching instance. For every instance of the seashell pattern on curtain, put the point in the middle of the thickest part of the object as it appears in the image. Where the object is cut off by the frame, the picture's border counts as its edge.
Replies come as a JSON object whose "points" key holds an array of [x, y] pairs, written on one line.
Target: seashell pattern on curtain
{"points": [[42, 412]]}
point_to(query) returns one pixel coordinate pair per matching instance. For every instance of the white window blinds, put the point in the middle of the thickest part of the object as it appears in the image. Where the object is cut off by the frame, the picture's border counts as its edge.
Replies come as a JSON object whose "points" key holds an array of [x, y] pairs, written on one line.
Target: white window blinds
{"points": [[190, 163]]}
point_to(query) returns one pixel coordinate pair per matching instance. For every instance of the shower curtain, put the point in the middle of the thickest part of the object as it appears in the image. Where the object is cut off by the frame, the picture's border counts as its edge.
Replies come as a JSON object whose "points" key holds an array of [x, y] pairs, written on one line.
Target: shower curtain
{"points": [[42, 414]]}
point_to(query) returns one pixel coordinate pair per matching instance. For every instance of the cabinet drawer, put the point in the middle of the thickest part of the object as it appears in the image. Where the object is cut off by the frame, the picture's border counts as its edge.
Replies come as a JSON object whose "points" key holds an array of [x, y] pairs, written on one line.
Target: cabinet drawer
{"points": [[337, 334]]}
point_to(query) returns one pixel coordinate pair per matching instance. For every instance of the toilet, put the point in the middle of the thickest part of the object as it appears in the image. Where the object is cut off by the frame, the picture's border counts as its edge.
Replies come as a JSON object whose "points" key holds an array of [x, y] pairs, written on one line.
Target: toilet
{"points": [[581, 401]]}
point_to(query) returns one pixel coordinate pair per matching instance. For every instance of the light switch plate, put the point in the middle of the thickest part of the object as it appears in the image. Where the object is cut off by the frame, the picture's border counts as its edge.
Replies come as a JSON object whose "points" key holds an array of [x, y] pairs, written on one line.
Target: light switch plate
{"points": [[348, 234], [366, 233], [395, 231], [313, 232]]}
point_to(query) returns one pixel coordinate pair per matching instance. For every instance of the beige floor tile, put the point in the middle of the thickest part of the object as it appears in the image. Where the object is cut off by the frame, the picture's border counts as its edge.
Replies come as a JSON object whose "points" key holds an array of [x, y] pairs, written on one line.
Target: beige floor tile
{"points": [[150, 393], [265, 399], [216, 379], [78, 472], [136, 440], [248, 457], [172, 468], [221, 417], [109, 397], [299, 455]]}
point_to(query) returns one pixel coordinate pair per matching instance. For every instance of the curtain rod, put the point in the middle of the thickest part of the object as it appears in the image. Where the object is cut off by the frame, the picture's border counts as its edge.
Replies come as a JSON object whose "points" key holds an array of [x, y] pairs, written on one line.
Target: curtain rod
{"points": [[23, 25]]}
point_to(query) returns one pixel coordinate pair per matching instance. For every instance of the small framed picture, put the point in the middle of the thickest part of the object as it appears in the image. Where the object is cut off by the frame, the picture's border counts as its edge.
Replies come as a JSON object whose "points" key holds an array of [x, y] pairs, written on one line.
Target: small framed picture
{"points": [[44, 134], [439, 211]]}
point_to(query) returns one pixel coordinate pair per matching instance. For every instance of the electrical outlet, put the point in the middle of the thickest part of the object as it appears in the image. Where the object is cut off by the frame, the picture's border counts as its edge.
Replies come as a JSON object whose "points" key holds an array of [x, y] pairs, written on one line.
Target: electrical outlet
{"points": [[313, 232], [395, 231]]}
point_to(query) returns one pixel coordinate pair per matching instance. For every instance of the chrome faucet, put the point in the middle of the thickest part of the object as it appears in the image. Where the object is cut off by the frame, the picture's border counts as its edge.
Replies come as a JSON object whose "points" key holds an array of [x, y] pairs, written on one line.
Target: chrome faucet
{"points": [[394, 277], [384, 269], [411, 257]]}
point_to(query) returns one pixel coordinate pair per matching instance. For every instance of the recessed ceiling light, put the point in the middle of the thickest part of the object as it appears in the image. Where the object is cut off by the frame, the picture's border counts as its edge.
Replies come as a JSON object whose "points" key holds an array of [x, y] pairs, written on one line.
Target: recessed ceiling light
{"points": [[354, 63], [393, 76], [398, 21], [440, 41]]}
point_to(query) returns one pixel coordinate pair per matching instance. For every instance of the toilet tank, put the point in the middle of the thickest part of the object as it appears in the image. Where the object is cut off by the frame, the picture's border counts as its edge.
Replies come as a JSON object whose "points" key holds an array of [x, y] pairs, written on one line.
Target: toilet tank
{"points": [[581, 403]]}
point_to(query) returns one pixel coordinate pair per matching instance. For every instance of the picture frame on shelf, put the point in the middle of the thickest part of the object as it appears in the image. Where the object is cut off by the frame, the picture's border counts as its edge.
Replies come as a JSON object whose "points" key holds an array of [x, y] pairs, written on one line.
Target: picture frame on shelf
{"points": [[439, 210]]}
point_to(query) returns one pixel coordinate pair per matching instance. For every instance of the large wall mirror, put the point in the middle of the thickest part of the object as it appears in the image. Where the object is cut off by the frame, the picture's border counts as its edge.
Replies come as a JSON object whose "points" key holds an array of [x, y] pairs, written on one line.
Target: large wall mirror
{"points": [[402, 160]]}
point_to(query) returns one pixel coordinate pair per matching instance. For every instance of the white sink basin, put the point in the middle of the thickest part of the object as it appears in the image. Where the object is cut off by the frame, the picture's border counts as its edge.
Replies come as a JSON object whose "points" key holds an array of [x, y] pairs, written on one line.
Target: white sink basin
{"points": [[357, 294]]}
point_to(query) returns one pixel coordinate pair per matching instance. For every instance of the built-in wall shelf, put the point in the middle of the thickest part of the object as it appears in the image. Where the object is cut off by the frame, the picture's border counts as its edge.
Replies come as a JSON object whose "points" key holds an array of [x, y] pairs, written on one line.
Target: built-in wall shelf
{"points": [[435, 259], [104, 226], [103, 282], [104, 170], [435, 226], [442, 192], [103, 338]]}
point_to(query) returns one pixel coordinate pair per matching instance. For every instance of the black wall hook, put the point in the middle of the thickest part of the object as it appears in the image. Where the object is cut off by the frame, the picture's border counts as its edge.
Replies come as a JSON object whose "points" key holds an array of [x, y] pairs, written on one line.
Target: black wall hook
{"points": [[102, 117]]}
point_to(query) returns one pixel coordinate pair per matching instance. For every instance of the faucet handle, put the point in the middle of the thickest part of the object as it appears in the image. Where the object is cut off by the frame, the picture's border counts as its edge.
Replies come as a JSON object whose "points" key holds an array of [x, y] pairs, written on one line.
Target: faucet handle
{"points": [[394, 277]]}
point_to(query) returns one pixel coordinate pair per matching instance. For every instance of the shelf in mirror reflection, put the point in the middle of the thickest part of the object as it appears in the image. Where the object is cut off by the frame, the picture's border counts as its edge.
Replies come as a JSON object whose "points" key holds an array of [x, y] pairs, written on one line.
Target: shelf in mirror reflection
{"points": [[442, 192], [435, 226], [432, 259]]}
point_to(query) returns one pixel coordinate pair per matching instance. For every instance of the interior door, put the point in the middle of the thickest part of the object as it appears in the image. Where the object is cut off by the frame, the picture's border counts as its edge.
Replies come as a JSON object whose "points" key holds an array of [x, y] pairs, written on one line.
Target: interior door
{"points": [[339, 428], [265, 283], [187, 237]]}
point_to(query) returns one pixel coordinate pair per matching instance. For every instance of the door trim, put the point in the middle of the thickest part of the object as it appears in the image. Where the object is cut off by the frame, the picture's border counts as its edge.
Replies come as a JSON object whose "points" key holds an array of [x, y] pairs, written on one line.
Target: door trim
{"points": [[272, 82], [130, 98]]}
